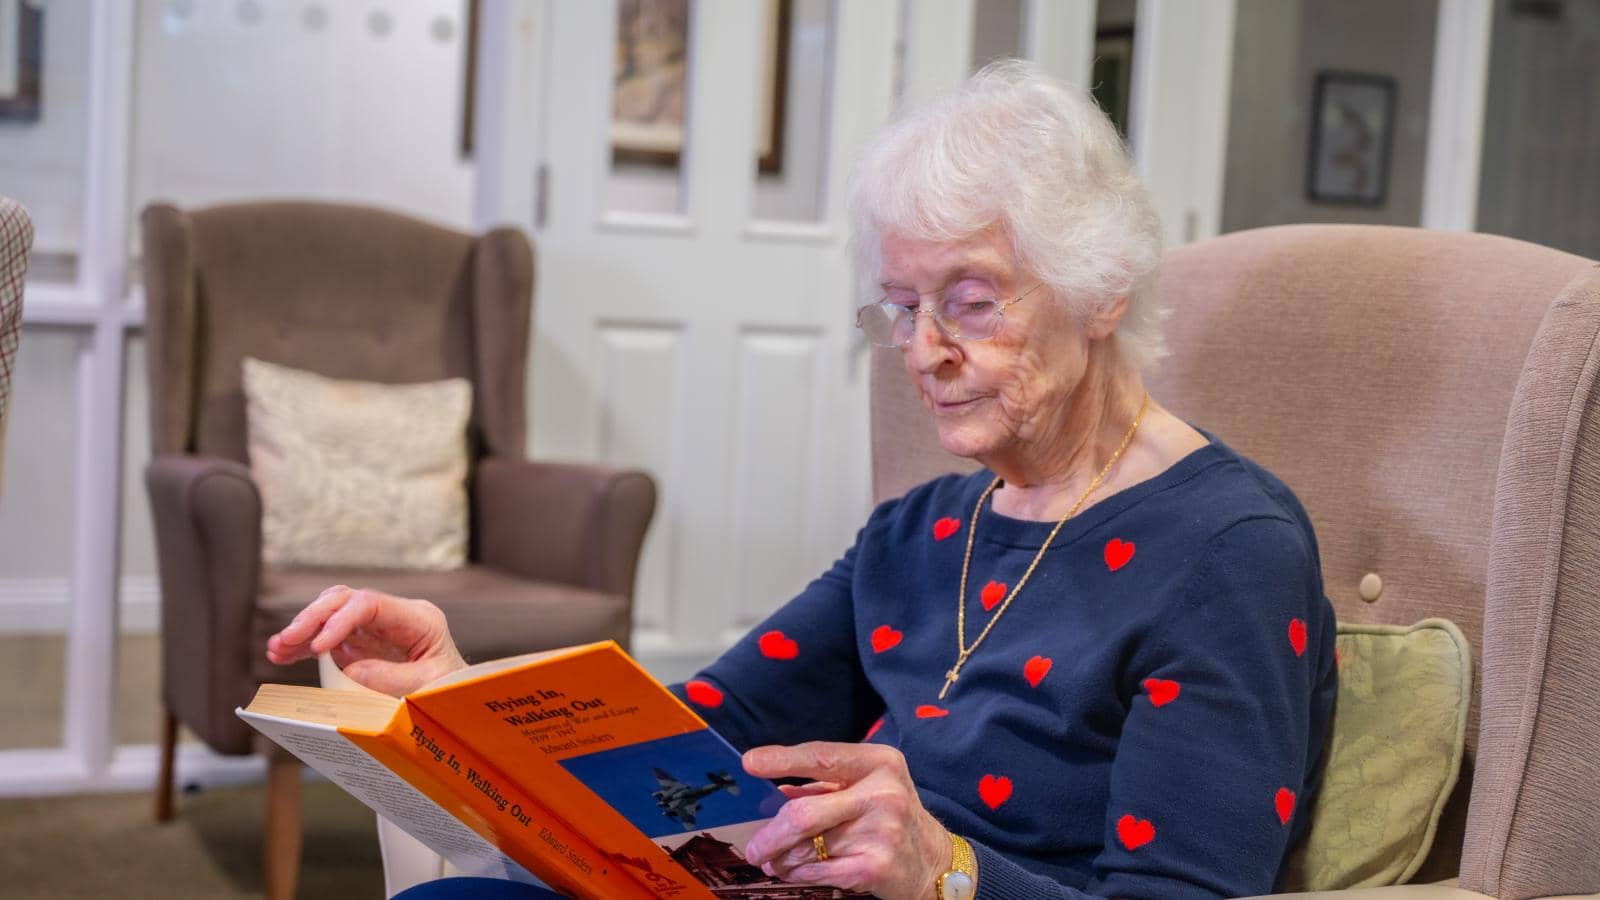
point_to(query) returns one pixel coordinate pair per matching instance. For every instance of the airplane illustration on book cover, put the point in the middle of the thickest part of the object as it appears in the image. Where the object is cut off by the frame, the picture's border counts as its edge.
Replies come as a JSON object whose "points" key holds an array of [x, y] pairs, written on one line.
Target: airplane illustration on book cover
{"points": [[680, 802]]}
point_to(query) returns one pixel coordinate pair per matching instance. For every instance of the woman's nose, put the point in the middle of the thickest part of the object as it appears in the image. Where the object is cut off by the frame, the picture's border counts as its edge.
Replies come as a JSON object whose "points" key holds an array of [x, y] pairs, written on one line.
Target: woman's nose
{"points": [[929, 347]]}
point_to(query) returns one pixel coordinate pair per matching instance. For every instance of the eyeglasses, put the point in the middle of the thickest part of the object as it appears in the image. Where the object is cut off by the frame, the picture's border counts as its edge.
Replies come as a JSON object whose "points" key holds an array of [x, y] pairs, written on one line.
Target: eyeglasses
{"points": [[962, 313]]}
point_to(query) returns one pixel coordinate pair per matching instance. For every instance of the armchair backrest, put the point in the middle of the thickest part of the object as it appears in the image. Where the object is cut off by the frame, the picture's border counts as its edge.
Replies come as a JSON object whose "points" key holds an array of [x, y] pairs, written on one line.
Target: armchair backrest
{"points": [[1429, 397], [16, 239], [344, 291]]}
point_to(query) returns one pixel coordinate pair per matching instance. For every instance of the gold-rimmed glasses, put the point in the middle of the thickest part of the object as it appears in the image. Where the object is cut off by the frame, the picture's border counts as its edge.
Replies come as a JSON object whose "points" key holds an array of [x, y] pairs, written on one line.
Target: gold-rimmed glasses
{"points": [[962, 312]]}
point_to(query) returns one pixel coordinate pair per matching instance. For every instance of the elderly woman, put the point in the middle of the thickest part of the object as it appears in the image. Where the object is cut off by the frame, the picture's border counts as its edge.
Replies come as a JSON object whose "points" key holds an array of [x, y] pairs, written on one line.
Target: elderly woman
{"points": [[1100, 667]]}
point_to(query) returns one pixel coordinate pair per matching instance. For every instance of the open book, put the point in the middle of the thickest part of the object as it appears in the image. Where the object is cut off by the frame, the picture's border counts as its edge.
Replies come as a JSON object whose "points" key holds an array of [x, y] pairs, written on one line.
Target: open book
{"points": [[573, 768]]}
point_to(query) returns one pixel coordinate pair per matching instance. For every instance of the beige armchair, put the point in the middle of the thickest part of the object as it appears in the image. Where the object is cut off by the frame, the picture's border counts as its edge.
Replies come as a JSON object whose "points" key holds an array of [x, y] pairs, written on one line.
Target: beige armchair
{"points": [[1432, 399], [357, 293], [16, 239]]}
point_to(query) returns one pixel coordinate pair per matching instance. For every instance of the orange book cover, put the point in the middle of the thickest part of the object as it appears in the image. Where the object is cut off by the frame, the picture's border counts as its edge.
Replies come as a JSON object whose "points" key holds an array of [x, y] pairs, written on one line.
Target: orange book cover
{"points": [[615, 768]]}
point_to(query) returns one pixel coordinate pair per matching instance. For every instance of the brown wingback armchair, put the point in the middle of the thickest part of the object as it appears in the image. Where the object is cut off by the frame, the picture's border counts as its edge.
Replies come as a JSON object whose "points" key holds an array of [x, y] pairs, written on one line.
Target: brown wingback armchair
{"points": [[351, 292], [1432, 399]]}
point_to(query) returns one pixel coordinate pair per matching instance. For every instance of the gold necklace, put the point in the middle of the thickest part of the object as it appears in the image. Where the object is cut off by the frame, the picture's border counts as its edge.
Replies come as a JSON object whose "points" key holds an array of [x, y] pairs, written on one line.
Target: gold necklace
{"points": [[961, 598]]}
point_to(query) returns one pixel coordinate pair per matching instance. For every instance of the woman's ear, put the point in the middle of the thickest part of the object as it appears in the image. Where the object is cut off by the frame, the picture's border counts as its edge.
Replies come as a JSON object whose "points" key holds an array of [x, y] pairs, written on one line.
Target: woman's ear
{"points": [[1105, 319]]}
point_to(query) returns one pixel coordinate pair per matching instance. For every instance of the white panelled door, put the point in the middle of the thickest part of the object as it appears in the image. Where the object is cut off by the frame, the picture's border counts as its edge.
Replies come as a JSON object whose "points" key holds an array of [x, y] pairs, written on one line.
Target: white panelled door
{"points": [[715, 350]]}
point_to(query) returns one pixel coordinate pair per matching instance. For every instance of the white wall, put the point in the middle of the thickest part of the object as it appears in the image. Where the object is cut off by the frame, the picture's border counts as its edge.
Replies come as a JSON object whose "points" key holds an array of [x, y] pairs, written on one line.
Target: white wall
{"points": [[41, 163], [351, 101]]}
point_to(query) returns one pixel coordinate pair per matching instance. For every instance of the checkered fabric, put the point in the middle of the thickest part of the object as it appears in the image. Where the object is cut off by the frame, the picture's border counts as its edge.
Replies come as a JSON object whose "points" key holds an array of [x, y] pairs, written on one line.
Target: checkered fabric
{"points": [[16, 238]]}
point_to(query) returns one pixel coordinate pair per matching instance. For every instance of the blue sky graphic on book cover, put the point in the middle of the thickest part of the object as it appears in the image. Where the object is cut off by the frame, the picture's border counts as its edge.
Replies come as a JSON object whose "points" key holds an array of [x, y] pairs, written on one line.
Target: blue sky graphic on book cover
{"points": [[677, 784]]}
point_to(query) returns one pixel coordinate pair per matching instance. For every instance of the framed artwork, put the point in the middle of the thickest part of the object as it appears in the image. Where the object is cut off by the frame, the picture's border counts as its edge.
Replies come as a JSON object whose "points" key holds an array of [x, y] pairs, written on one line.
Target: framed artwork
{"points": [[1112, 76], [1352, 131], [21, 58], [649, 87]]}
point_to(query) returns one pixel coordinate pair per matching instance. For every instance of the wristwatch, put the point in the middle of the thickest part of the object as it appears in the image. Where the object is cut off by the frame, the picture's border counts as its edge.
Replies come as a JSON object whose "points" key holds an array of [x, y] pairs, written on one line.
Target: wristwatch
{"points": [[961, 882]]}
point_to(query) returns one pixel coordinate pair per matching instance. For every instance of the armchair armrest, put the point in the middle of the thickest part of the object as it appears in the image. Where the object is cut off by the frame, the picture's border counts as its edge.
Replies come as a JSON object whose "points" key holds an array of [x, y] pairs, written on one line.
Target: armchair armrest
{"points": [[208, 547], [575, 524]]}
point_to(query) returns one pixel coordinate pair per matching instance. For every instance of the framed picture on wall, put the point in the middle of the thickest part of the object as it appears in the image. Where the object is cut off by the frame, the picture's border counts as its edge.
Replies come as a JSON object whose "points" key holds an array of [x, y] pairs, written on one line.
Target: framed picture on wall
{"points": [[21, 58], [649, 82], [1352, 131]]}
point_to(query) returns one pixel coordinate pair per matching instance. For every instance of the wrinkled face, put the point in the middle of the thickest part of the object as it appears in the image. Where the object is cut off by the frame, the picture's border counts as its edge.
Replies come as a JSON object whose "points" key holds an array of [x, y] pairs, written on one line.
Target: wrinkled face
{"points": [[1009, 396]]}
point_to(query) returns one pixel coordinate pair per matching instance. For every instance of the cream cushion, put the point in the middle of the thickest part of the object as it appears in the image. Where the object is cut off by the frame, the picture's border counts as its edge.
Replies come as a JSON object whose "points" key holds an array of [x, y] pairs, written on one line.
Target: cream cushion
{"points": [[1394, 755], [358, 473]]}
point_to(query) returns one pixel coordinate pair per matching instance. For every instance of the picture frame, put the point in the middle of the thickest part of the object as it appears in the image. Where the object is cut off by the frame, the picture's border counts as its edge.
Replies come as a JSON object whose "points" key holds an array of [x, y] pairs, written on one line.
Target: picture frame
{"points": [[650, 88], [1352, 137], [21, 60], [1111, 79]]}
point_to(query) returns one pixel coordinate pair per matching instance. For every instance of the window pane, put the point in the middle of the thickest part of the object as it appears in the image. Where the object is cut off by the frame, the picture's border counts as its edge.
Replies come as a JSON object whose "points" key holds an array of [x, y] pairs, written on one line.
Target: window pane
{"points": [[36, 539], [44, 114], [794, 114], [1541, 144], [1356, 155], [996, 31], [353, 102]]}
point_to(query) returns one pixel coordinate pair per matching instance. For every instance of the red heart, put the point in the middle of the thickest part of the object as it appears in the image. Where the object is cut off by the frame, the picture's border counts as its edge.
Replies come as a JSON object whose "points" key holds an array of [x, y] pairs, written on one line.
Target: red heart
{"points": [[1118, 552], [1161, 691], [1297, 636], [993, 593], [1284, 801], [1035, 669], [1135, 833], [703, 693], [994, 791], [874, 729], [885, 638], [929, 711], [945, 527], [777, 645]]}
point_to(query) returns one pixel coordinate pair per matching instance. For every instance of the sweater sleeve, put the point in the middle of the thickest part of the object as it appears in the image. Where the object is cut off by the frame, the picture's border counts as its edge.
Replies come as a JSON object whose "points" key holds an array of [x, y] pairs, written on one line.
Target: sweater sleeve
{"points": [[798, 675], [1211, 769]]}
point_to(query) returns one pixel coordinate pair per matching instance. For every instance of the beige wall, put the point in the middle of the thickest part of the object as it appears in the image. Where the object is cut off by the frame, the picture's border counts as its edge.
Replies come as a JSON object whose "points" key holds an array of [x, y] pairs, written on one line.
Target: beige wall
{"points": [[1541, 145], [1279, 47]]}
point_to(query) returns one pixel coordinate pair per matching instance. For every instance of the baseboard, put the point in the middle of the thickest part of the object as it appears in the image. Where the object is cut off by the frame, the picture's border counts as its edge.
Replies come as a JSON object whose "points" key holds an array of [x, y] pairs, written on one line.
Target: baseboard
{"points": [[44, 605], [36, 773]]}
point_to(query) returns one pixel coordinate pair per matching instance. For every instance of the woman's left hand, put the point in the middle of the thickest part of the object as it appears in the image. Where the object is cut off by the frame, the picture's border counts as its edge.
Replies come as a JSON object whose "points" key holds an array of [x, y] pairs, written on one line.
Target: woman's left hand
{"points": [[879, 838]]}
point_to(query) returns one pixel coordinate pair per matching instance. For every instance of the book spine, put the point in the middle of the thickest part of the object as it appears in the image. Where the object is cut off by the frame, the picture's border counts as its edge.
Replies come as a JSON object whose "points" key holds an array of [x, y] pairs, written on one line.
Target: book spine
{"points": [[458, 779]]}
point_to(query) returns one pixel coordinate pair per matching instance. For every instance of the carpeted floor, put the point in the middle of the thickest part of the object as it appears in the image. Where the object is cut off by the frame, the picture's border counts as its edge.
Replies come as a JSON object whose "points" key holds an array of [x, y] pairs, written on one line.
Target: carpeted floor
{"points": [[107, 846]]}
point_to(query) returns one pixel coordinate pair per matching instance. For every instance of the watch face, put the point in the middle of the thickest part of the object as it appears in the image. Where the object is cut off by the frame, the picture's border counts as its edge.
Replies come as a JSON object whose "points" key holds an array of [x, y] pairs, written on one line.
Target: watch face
{"points": [[956, 886]]}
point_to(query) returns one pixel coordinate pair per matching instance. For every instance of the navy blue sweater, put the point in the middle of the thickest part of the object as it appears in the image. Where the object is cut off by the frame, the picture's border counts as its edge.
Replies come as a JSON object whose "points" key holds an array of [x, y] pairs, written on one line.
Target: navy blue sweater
{"points": [[1146, 719]]}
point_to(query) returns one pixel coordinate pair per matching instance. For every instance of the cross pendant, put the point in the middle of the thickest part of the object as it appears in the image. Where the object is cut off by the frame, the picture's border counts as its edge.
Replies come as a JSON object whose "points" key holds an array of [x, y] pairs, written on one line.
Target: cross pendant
{"points": [[950, 679]]}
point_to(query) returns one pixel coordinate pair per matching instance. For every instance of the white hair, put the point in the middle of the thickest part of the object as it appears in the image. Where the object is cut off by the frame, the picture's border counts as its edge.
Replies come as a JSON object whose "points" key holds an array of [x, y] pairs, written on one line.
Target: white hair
{"points": [[1015, 148]]}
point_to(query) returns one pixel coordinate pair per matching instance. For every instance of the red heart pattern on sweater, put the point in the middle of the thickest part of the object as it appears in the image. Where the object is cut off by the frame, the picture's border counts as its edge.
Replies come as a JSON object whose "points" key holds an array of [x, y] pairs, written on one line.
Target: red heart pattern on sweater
{"points": [[945, 527], [777, 645], [1117, 553], [1297, 636], [1036, 669], [994, 790], [1135, 833], [929, 711], [703, 693], [885, 638], [1284, 803], [993, 593], [1161, 691], [874, 729]]}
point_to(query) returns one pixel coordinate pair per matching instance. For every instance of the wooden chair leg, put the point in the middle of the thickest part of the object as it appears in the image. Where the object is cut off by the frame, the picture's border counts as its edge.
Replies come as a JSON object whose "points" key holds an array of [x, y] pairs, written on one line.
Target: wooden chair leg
{"points": [[282, 849], [169, 744]]}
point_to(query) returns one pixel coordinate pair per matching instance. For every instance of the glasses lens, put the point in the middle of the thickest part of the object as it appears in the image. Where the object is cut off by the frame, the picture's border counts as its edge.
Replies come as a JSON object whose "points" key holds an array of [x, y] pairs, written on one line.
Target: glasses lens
{"points": [[885, 324], [970, 317]]}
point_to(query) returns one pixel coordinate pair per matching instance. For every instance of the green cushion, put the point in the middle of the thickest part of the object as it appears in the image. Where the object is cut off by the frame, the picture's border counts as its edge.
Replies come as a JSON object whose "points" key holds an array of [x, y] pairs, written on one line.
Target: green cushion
{"points": [[1393, 755]]}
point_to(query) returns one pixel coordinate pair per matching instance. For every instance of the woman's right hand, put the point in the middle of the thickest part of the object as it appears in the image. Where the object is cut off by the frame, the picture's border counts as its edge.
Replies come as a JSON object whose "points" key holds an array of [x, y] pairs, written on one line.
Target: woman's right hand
{"points": [[387, 643]]}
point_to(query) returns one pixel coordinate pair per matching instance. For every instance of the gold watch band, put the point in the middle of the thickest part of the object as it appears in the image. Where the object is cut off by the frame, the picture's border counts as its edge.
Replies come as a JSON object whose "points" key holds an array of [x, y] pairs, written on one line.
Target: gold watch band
{"points": [[961, 882]]}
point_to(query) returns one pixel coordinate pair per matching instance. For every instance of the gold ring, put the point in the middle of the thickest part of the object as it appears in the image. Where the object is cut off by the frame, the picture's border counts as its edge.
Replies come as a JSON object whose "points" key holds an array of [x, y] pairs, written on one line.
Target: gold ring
{"points": [[821, 846]]}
